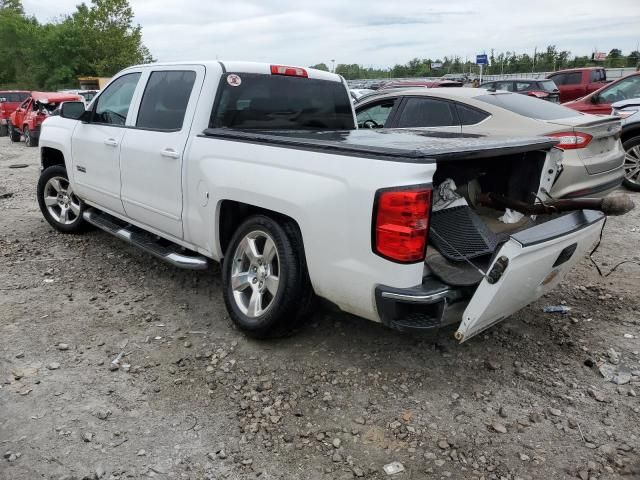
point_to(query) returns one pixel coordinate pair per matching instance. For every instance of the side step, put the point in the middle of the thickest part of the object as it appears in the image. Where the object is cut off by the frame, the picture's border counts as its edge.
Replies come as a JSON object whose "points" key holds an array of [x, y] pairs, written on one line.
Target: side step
{"points": [[163, 249]]}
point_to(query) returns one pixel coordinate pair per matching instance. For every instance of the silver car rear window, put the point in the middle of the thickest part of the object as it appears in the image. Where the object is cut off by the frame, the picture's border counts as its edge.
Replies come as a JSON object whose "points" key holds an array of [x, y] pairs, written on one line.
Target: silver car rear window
{"points": [[529, 106]]}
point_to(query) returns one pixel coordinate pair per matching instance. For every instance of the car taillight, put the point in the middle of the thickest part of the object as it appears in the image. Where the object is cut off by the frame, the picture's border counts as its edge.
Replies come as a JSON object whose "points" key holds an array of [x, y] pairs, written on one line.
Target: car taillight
{"points": [[538, 94], [401, 219], [571, 140], [288, 71]]}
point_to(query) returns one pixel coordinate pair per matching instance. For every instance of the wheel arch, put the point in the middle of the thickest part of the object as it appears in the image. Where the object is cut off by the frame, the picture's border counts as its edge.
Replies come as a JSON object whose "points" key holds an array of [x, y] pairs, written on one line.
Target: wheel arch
{"points": [[232, 213], [630, 133], [51, 156]]}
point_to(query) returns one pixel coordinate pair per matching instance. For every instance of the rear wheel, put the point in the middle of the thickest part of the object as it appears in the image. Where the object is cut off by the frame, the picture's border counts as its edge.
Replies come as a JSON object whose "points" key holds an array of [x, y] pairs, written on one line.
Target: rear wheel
{"points": [[58, 203], [632, 164], [14, 134], [29, 140], [265, 281]]}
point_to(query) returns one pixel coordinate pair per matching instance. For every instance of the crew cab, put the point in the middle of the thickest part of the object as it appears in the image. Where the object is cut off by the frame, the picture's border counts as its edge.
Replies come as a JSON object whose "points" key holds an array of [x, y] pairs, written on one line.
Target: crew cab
{"points": [[260, 167], [10, 100], [25, 121], [577, 82]]}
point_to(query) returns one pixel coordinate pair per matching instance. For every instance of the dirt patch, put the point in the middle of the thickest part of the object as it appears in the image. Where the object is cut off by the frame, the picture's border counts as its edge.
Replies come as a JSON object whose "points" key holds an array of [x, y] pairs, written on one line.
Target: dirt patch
{"points": [[194, 399]]}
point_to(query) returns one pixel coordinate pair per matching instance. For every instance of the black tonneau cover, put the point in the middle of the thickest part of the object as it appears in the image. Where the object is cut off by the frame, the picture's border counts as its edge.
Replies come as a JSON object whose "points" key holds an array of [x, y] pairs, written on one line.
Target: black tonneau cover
{"points": [[401, 145]]}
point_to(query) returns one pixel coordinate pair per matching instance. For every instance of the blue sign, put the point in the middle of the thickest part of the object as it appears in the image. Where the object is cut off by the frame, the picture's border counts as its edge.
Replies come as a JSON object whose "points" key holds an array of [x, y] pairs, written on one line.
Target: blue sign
{"points": [[482, 59]]}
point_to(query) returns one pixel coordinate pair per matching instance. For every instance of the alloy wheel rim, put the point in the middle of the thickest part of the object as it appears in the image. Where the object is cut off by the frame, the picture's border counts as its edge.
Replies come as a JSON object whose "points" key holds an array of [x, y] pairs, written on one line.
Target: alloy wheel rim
{"points": [[632, 164], [62, 204], [255, 274]]}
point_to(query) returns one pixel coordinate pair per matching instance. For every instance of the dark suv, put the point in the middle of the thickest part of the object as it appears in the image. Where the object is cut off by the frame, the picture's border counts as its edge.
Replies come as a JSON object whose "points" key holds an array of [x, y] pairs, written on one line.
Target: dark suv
{"points": [[544, 89]]}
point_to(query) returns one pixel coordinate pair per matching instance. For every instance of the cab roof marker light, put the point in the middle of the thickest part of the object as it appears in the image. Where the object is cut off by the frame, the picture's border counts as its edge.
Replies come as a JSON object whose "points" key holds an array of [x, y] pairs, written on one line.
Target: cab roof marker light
{"points": [[289, 71]]}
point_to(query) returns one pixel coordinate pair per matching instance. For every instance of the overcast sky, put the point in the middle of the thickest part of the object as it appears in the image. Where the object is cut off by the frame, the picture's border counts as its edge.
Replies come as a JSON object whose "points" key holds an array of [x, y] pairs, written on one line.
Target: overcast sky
{"points": [[371, 32]]}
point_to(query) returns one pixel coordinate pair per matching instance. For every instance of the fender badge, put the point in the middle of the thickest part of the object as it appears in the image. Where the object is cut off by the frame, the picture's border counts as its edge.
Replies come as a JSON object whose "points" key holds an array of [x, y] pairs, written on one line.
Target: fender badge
{"points": [[234, 80]]}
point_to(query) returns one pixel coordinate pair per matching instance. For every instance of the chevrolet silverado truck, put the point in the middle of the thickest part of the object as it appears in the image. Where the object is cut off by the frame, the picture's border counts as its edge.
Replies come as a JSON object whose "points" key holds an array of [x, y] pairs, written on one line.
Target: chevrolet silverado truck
{"points": [[260, 167]]}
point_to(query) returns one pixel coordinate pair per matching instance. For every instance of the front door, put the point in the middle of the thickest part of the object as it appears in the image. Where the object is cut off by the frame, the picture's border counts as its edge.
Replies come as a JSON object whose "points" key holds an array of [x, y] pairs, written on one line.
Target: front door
{"points": [[96, 144], [152, 152]]}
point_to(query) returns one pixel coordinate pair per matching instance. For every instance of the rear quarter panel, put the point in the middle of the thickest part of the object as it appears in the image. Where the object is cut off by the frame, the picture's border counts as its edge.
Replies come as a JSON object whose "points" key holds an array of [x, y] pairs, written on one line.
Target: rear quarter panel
{"points": [[329, 196]]}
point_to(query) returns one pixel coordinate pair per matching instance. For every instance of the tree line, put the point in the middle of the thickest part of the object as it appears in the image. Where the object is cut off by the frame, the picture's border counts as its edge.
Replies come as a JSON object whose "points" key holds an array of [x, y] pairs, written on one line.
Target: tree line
{"points": [[98, 39], [546, 60]]}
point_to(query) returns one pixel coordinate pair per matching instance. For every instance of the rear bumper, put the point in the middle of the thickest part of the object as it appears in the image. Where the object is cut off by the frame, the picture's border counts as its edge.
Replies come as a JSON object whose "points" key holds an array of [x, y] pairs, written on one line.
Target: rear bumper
{"points": [[418, 309], [433, 304]]}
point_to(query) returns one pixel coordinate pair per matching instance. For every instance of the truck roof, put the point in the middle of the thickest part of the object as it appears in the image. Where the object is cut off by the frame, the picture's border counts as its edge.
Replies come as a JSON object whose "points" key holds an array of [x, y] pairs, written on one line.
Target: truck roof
{"points": [[245, 67], [399, 145]]}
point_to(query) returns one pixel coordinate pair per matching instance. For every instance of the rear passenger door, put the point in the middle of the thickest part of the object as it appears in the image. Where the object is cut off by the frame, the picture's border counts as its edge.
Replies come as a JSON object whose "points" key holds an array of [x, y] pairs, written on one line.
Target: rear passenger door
{"points": [[151, 157], [430, 113]]}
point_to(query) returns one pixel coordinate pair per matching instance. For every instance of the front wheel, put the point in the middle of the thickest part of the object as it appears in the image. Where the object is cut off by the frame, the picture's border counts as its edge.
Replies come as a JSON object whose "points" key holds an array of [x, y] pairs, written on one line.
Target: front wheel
{"points": [[14, 134], [29, 140], [58, 203], [265, 282], [632, 164]]}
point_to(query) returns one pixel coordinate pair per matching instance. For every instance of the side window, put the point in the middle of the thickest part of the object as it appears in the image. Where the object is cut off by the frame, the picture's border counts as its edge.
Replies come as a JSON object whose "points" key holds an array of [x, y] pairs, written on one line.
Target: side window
{"points": [[165, 100], [558, 79], [469, 115], [488, 86], [375, 116], [523, 86], [508, 86], [113, 104], [427, 112], [573, 78]]}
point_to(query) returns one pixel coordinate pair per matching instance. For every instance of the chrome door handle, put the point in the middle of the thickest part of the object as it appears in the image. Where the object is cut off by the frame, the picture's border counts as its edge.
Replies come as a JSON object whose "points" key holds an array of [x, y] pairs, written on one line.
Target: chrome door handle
{"points": [[111, 142], [170, 153]]}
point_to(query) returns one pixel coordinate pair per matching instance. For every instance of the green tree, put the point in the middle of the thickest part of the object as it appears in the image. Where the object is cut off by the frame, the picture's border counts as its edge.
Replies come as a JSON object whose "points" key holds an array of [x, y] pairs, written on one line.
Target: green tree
{"points": [[13, 5], [320, 66]]}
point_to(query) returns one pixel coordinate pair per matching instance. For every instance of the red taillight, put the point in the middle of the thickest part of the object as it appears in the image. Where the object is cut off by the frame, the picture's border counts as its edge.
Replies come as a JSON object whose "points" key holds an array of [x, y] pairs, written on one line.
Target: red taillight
{"points": [[401, 219], [289, 71], [538, 94], [571, 140]]}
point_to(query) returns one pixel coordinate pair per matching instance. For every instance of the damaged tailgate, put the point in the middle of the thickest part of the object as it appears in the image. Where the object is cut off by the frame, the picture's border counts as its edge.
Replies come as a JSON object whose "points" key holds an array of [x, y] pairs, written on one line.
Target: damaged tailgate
{"points": [[528, 265]]}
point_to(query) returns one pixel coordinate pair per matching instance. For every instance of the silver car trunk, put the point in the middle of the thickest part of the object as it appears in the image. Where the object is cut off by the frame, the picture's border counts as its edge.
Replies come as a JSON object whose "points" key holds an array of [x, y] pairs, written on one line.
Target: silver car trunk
{"points": [[604, 152]]}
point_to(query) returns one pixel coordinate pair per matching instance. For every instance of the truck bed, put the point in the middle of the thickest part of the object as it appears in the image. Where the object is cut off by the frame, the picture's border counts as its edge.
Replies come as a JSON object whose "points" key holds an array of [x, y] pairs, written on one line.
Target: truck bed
{"points": [[401, 145]]}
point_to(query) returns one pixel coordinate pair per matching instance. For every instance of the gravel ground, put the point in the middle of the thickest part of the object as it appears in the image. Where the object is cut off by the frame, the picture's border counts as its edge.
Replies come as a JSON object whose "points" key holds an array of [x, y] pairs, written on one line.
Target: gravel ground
{"points": [[532, 398]]}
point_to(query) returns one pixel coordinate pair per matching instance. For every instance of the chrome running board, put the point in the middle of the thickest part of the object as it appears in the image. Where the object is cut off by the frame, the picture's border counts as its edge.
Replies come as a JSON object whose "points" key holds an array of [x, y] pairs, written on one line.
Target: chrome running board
{"points": [[162, 249]]}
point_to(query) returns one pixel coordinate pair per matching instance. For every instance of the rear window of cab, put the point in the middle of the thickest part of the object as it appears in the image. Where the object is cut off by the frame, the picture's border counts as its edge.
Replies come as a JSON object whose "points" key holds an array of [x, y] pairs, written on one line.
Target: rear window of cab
{"points": [[279, 102]]}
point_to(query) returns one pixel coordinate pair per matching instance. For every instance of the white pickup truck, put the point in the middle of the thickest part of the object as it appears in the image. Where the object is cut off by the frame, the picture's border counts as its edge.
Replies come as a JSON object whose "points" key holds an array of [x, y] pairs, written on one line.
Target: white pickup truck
{"points": [[260, 167]]}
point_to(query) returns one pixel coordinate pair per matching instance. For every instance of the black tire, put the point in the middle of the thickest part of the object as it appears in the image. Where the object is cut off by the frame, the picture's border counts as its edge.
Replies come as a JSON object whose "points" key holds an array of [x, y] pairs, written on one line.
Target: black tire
{"points": [[78, 225], [628, 145], [13, 133], [294, 292], [29, 139], [4, 130]]}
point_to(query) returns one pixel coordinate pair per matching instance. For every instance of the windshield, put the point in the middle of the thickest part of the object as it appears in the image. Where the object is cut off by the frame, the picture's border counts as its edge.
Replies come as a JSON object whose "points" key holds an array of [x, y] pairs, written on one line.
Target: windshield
{"points": [[268, 102], [14, 97], [529, 106]]}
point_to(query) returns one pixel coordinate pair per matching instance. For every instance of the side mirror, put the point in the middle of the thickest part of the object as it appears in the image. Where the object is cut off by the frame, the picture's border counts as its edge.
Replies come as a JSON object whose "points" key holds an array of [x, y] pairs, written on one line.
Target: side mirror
{"points": [[595, 99], [72, 110]]}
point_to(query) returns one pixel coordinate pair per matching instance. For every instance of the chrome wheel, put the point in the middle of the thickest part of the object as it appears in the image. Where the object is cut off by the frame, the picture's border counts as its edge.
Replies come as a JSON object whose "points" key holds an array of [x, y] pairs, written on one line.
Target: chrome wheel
{"points": [[632, 164], [60, 201], [255, 274]]}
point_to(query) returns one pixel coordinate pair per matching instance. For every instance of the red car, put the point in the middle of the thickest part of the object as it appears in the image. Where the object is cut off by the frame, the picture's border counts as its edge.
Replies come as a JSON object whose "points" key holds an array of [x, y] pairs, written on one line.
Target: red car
{"points": [[9, 101], [578, 82], [27, 118], [599, 102]]}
